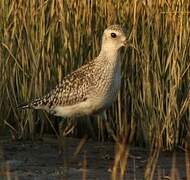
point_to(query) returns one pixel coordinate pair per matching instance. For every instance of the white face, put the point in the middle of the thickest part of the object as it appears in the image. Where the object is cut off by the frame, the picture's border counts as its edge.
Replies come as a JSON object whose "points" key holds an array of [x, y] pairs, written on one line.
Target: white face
{"points": [[113, 39]]}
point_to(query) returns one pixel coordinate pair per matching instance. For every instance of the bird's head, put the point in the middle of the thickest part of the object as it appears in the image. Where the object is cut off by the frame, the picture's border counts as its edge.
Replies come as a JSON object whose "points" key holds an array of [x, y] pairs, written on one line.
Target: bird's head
{"points": [[114, 38]]}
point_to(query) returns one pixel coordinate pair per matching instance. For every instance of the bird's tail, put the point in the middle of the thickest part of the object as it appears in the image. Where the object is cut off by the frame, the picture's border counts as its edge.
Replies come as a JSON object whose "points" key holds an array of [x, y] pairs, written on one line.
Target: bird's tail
{"points": [[34, 104], [23, 106]]}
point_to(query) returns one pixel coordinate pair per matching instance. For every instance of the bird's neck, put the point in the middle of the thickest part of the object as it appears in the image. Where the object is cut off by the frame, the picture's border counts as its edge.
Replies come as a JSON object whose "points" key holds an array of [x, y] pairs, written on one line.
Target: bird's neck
{"points": [[112, 57]]}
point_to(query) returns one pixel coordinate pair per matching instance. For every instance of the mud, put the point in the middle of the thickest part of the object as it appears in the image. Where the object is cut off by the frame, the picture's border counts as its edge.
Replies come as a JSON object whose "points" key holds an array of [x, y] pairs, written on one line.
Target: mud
{"points": [[42, 160]]}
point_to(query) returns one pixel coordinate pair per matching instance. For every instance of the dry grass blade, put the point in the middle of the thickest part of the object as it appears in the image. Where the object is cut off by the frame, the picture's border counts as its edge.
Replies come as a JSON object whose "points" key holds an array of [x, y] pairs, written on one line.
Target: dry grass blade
{"points": [[152, 160]]}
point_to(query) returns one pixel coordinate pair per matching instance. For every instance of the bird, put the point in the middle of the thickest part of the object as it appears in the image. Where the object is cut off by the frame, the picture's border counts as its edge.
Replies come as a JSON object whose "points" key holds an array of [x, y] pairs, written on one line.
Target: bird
{"points": [[91, 88]]}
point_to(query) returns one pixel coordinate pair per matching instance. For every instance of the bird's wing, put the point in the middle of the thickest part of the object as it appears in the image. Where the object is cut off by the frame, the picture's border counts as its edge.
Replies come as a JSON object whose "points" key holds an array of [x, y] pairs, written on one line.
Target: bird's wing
{"points": [[72, 90]]}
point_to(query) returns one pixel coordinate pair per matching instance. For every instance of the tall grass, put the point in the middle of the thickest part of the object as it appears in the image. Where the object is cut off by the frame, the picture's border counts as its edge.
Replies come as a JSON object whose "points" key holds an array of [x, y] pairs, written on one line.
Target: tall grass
{"points": [[42, 41]]}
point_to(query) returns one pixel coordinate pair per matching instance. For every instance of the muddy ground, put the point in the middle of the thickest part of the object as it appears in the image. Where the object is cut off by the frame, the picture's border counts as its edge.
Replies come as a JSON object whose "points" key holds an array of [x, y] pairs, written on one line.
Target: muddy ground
{"points": [[41, 160]]}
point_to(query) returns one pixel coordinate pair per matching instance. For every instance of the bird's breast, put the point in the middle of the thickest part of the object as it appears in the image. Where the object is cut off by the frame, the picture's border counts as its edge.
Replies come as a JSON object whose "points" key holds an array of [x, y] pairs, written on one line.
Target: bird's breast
{"points": [[107, 87]]}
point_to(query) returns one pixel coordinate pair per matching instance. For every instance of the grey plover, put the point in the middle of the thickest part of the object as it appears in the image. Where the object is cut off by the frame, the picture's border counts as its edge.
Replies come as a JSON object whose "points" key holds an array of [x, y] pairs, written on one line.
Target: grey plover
{"points": [[91, 88]]}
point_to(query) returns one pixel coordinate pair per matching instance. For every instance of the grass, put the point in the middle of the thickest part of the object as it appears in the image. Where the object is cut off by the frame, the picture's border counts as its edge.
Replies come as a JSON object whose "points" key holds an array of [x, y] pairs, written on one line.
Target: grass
{"points": [[37, 52], [42, 41]]}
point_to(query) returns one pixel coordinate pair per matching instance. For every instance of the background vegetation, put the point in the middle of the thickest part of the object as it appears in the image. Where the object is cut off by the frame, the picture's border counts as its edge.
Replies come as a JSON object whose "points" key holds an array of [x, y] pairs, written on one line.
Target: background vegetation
{"points": [[42, 41]]}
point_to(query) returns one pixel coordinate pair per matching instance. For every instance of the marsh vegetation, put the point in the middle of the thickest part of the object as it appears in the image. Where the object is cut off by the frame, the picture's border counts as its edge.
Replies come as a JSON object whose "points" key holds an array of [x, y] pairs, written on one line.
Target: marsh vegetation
{"points": [[42, 41]]}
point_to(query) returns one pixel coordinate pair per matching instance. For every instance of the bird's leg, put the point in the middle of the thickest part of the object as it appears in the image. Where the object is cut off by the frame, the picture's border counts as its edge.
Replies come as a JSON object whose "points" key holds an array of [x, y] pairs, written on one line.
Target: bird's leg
{"points": [[62, 145], [65, 128], [108, 127], [122, 139], [61, 137]]}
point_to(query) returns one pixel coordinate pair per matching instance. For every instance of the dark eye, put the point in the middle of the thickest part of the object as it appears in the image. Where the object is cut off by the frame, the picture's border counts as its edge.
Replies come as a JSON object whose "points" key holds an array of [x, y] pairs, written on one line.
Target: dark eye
{"points": [[113, 35]]}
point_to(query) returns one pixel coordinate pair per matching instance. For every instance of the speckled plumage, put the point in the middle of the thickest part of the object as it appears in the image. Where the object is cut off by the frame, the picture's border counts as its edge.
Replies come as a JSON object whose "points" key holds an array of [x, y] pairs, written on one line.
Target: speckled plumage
{"points": [[91, 88]]}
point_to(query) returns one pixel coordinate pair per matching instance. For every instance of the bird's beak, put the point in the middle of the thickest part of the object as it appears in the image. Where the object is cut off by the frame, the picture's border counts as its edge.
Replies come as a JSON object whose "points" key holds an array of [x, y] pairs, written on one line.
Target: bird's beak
{"points": [[127, 44]]}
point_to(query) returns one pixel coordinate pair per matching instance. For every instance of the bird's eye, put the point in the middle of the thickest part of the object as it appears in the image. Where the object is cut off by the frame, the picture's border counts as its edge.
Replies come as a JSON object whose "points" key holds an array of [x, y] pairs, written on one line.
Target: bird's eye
{"points": [[113, 35]]}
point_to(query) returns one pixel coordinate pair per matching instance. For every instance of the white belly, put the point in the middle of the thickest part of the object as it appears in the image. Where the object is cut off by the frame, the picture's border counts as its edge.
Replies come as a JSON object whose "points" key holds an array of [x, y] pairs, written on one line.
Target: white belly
{"points": [[87, 107]]}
